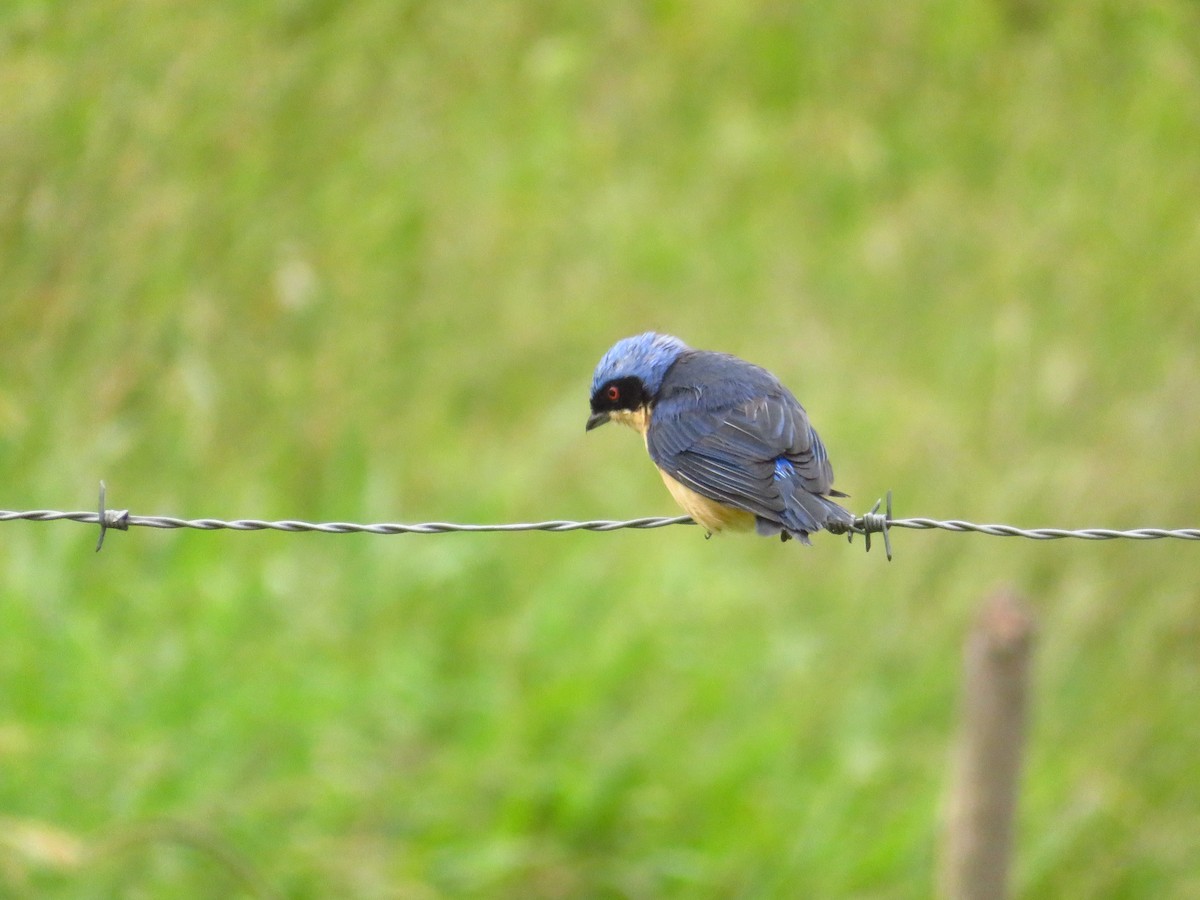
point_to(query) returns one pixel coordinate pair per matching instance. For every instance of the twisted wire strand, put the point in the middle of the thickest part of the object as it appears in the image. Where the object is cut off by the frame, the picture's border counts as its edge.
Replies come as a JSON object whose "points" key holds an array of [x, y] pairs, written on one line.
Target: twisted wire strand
{"points": [[1049, 534], [122, 521], [871, 522]]}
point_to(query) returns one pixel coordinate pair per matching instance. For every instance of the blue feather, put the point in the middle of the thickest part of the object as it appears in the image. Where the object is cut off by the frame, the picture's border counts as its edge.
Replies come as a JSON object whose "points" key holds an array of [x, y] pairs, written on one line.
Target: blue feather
{"points": [[783, 468], [734, 433]]}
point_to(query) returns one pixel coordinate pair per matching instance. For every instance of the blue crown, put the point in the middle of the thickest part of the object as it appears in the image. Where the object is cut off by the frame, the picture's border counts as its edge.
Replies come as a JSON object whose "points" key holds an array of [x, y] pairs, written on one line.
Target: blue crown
{"points": [[645, 356]]}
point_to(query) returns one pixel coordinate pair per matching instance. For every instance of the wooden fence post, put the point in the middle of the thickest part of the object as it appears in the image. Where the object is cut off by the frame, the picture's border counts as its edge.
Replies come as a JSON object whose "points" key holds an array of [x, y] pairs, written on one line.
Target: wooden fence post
{"points": [[986, 773]]}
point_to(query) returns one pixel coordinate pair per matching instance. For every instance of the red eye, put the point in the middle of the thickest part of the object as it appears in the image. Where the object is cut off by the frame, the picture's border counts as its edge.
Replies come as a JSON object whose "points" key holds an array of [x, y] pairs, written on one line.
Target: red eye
{"points": [[613, 393]]}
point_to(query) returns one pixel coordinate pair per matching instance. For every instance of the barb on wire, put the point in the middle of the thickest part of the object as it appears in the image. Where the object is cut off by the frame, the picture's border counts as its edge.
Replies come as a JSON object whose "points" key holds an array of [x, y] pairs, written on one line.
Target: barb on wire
{"points": [[107, 518], [873, 522], [869, 523]]}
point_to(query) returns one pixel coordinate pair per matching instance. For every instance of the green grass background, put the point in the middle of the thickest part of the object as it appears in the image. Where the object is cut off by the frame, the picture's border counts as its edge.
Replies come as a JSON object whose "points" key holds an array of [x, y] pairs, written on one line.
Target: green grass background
{"points": [[356, 261]]}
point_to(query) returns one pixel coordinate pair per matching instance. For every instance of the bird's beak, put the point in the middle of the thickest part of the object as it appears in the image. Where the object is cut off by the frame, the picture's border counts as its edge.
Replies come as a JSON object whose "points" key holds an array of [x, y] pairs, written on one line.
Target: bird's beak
{"points": [[595, 420]]}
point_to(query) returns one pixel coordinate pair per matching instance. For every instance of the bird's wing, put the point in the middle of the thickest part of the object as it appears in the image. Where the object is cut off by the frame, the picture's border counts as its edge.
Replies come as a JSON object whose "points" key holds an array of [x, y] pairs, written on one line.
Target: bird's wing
{"points": [[745, 455]]}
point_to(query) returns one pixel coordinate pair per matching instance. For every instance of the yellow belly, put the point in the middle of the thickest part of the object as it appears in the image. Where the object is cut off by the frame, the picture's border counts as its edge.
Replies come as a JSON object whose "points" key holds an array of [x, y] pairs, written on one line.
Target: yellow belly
{"points": [[714, 516]]}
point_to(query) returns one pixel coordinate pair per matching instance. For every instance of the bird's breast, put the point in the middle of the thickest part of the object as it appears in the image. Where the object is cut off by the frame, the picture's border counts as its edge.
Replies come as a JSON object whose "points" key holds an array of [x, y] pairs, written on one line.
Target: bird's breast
{"points": [[714, 516]]}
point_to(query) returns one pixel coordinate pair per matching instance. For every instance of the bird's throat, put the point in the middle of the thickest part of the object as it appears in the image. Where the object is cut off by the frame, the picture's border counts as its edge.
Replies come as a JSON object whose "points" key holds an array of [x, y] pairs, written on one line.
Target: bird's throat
{"points": [[637, 419]]}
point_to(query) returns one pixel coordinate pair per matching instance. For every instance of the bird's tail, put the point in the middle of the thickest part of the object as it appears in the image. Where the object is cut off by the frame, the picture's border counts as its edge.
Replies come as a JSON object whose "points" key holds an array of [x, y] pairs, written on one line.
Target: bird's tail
{"points": [[805, 513]]}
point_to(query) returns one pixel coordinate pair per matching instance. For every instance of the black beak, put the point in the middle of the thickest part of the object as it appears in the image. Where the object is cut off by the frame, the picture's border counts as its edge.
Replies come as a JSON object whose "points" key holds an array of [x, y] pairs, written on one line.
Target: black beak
{"points": [[595, 420]]}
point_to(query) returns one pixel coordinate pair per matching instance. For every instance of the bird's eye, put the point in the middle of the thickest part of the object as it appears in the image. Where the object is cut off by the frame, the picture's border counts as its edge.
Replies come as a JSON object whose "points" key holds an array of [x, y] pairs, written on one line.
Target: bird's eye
{"points": [[613, 393]]}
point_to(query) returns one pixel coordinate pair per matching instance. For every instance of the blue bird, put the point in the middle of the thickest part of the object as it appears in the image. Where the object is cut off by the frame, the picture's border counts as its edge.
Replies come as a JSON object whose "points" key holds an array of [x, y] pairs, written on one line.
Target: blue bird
{"points": [[732, 444]]}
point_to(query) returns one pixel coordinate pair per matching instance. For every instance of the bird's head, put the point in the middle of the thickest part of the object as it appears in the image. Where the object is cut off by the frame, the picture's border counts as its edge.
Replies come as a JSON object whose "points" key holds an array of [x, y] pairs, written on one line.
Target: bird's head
{"points": [[628, 377]]}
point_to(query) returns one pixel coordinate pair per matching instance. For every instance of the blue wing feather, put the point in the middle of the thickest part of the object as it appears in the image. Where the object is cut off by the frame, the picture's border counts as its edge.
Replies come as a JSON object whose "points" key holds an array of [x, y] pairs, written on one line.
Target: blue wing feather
{"points": [[732, 432]]}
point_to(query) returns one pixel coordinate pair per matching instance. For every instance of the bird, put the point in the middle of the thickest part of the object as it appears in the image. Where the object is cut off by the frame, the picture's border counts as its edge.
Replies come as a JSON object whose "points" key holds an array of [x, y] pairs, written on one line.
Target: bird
{"points": [[733, 445]]}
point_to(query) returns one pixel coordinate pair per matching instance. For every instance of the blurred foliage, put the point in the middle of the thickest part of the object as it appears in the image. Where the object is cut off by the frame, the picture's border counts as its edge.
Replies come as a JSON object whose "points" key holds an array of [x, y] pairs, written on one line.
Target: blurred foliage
{"points": [[356, 261]]}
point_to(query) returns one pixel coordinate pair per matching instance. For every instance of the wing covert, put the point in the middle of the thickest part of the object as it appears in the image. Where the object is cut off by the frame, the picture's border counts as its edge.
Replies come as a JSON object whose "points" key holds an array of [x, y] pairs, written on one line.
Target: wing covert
{"points": [[730, 454]]}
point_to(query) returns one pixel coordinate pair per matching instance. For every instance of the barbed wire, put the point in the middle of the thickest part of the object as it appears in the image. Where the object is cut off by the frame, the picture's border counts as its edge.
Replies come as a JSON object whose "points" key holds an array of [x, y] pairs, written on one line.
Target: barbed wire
{"points": [[872, 522]]}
